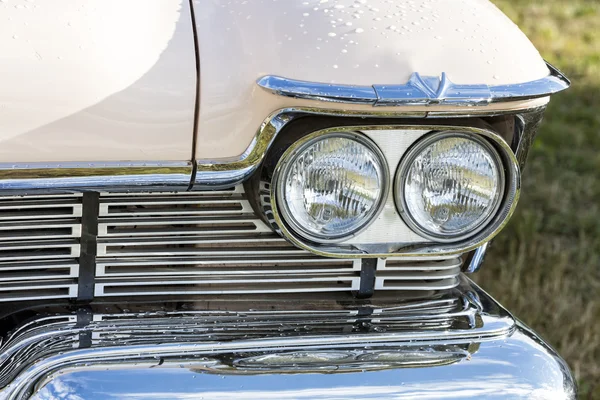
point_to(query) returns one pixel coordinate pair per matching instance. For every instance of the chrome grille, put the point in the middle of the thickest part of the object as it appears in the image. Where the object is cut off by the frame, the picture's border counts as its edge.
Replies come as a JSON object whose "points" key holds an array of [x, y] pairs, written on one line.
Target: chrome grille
{"points": [[168, 244], [203, 243], [39, 247]]}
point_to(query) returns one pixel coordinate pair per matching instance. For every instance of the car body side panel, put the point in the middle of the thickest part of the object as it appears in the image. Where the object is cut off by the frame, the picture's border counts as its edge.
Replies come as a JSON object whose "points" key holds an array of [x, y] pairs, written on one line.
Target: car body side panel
{"points": [[96, 80], [344, 42]]}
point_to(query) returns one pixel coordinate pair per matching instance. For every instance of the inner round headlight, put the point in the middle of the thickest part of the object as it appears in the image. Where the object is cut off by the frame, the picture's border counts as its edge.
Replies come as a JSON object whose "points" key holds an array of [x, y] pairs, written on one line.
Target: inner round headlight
{"points": [[330, 186], [449, 185]]}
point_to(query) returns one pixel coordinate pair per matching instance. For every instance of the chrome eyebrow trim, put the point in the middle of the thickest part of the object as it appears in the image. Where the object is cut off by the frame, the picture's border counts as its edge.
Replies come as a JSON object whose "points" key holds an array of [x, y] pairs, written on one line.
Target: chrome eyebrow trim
{"points": [[418, 91], [64, 177], [318, 91]]}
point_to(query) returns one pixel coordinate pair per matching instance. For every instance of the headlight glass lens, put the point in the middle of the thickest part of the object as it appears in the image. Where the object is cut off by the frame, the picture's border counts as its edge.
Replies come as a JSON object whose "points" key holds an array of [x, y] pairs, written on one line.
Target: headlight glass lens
{"points": [[331, 186], [450, 185]]}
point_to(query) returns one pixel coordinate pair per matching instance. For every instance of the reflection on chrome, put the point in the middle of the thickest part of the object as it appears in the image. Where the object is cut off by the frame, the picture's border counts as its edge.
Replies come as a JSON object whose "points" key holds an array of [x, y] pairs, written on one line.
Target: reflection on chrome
{"points": [[355, 360], [326, 348]]}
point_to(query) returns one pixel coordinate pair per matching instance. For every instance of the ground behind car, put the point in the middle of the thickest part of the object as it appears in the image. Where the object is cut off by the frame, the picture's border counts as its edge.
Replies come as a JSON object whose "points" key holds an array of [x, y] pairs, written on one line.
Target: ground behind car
{"points": [[545, 266]]}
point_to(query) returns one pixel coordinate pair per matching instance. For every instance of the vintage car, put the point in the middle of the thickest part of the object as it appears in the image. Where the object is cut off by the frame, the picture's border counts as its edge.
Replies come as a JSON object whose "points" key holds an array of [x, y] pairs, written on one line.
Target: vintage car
{"points": [[267, 199]]}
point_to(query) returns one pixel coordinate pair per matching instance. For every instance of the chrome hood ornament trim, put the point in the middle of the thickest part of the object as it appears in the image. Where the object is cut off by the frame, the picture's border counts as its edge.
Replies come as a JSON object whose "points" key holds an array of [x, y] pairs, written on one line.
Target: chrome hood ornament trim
{"points": [[429, 90], [418, 91]]}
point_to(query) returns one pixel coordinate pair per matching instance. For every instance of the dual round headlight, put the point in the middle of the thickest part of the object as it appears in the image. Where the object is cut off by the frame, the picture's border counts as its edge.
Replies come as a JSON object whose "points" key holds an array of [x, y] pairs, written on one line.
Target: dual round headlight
{"points": [[449, 185], [330, 186]]}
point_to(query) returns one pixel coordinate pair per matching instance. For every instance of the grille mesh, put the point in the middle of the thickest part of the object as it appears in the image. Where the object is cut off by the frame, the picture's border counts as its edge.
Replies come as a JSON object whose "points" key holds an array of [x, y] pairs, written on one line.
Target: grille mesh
{"points": [[39, 247], [177, 244], [203, 243]]}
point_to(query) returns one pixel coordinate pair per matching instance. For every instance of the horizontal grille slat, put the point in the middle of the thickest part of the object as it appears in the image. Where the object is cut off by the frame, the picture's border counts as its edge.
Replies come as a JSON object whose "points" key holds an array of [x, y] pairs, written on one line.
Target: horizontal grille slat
{"points": [[216, 266], [36, 250], [24, 271], [188, 204], [264, 284], [411, 275], [37, 290], [403, 265], [168, 226], [215, 245], [400, 283], [28, 230], [49, 207]]}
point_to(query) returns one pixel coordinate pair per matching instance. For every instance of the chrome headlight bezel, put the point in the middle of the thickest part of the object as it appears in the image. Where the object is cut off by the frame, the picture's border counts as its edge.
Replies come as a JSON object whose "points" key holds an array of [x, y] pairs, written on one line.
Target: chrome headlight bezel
{"points": [[377, 240], [407, 162], [289, 157]]}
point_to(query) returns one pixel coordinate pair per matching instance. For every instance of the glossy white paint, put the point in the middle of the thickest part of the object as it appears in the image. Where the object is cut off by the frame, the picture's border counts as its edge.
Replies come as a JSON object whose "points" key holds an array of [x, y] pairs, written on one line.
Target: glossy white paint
{"points": [[84, 80], [359, 42]]}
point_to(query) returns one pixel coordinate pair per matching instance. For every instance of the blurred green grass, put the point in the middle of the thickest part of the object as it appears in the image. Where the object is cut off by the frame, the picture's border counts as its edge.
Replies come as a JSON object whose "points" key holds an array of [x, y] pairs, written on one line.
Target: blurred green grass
{"points": [[545, 266]]}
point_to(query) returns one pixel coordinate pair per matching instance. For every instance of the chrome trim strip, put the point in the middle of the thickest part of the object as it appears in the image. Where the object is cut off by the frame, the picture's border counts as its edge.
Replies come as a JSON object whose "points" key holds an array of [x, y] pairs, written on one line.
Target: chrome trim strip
{"points": [[224, 173], [318, 91], [553, 83], [476, 260], [102, 176], [418, 91], [211, 174], [173, 267], [217, 286], [20, 178]]}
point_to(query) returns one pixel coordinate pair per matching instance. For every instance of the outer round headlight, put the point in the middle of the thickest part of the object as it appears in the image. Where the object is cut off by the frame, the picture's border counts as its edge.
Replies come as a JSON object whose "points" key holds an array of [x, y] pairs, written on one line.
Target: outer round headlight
{"points": [[329, 186], [449, 185]]}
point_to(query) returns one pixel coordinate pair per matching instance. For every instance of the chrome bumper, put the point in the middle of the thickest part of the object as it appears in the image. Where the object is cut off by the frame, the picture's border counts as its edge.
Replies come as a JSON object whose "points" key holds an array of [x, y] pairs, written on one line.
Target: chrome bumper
{"points": [[457, 343]]}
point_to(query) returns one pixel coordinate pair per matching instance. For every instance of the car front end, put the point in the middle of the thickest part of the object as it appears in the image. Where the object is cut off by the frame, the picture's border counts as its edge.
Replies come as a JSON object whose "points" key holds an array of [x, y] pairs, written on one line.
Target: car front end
{"points": [[343, 167]]}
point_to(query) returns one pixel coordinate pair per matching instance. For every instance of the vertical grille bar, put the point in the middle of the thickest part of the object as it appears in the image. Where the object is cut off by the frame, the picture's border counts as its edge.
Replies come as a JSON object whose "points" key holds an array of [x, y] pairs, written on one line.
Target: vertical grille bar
{"points": [[368, 270], [89, 235]]}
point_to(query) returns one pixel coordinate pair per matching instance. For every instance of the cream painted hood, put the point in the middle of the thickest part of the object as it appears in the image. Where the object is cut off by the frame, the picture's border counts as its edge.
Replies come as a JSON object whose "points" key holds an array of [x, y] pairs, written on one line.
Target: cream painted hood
{"points": [[96, 80], [115, 80], [361, 42]]}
